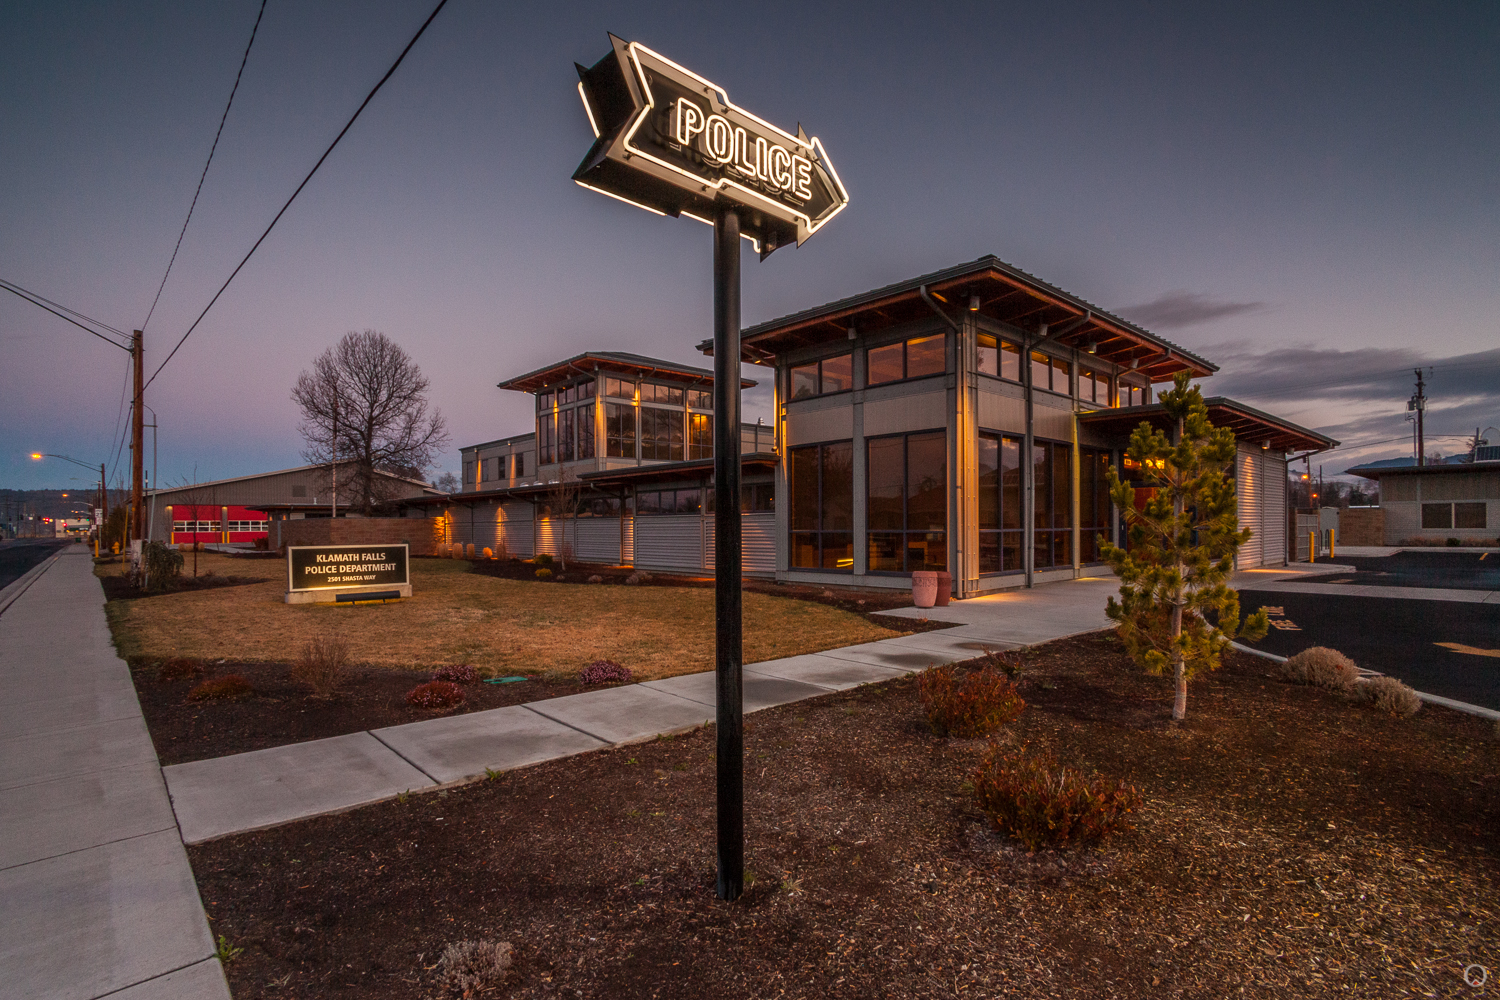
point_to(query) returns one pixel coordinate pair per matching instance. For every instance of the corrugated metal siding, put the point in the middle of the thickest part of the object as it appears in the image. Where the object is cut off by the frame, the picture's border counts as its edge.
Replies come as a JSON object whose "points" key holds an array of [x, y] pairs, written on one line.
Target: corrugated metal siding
{"points": [[669, 541], [1273, 511], [627, 542], [549, 536], [1248, 487], [757, 543], [596, 539]]}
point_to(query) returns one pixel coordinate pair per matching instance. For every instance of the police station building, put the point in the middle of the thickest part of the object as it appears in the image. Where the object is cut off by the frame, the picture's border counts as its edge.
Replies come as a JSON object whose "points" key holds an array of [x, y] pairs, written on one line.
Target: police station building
{"points": [[959, 421]]}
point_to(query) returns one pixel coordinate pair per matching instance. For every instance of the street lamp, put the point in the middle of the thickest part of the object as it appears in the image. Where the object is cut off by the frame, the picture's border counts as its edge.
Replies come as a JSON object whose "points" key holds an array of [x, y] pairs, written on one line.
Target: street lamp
{"points": [[37, 456]]}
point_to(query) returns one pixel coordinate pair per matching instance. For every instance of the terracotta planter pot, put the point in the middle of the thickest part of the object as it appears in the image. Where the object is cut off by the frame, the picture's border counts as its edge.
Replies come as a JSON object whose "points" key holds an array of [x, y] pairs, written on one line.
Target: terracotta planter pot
{"points": [[924, 588], [944, 588]]}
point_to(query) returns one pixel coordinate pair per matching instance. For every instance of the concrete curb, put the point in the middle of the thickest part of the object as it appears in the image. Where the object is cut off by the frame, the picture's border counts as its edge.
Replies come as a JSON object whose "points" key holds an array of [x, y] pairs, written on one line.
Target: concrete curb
{"points": [[1431, 699], [18, 587]]}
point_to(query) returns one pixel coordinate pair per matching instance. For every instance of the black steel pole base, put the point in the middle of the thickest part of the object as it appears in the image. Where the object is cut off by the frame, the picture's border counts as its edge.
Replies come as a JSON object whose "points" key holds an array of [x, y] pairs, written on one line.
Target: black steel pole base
{"points": [[727, 596]]}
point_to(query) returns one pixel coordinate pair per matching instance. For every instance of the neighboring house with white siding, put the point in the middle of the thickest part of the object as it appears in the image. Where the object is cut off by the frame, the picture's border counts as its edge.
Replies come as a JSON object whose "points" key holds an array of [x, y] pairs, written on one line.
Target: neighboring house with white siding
{"points": [[1433, 503]]}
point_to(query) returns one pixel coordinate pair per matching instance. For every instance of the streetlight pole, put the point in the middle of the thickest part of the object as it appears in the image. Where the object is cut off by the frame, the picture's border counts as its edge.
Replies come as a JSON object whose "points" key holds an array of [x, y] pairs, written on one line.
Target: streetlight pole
{"points": [[37, 456]]}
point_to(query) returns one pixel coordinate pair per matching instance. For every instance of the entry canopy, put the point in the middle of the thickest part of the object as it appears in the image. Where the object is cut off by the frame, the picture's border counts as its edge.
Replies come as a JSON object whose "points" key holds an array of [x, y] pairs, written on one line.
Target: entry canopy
{"points": [[1250, 426], [669, 141]]}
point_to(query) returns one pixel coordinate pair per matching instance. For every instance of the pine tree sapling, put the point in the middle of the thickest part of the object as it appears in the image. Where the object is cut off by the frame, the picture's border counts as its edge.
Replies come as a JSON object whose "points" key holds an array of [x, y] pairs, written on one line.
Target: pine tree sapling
{"points": [[1183, 542]]}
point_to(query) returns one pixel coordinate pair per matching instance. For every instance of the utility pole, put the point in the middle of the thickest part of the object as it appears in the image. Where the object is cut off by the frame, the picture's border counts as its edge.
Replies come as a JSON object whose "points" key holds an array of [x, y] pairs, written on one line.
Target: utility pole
{"points": [[1419, 403], [138, 440]]}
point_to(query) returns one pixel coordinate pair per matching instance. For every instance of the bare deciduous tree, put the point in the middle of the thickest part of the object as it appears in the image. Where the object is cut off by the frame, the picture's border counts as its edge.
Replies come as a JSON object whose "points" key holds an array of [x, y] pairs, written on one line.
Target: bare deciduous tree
{"points": [[196, 495], [564, 498], [365, 404]]}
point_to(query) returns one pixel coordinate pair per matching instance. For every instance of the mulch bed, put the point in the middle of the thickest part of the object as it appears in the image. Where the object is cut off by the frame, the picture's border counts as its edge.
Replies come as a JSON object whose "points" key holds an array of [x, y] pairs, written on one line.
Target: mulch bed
{"points": [[1291, 844], [119, 588], [281, 711]]}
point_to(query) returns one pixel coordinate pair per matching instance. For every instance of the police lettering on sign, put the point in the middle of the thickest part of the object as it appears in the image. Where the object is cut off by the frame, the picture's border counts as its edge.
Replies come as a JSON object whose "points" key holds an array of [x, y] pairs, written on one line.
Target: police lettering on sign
{"points": [[669, 141]]}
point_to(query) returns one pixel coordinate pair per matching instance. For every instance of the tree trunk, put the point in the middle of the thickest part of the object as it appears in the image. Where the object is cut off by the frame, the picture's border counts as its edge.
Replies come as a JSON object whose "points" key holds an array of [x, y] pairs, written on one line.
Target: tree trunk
{"points": [[1179, 667]]}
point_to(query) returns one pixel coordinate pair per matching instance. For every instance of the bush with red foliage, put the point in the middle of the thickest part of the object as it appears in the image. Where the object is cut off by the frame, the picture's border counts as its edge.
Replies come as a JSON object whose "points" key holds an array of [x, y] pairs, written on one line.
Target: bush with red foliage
{"points": [[605, 672], [226, 688], [180, 668], [970, 705], [456, 673], [435, 694], [1040, 804]]}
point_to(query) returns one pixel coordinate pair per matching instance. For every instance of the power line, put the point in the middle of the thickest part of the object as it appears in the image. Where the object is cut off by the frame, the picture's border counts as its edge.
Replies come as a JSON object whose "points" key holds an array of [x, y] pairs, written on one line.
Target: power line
{"points": [[368, 98], [232, 91], [1362, 377], [40, 303]]}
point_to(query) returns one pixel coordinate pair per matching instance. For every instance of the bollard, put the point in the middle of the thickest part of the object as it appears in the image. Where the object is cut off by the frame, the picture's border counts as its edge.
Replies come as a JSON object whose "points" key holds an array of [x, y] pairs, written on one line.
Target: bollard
{"points": [[1312, 546]]}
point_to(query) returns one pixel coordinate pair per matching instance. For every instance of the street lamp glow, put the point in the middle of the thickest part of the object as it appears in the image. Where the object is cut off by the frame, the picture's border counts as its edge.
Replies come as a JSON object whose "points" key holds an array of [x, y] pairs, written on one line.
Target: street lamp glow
{"points": [[36, 455]]}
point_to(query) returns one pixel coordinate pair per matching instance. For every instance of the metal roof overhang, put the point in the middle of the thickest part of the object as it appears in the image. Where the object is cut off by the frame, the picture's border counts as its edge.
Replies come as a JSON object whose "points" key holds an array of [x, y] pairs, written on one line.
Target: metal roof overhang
{"points": [[1248, 424], [1006, 294], [629, 365], [600, 482], [1374, 474]]}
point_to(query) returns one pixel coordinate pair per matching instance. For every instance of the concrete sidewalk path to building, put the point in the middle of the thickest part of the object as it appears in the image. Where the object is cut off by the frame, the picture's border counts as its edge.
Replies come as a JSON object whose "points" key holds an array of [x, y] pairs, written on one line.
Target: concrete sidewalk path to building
{"points": [[228, 795], [96, 894]]}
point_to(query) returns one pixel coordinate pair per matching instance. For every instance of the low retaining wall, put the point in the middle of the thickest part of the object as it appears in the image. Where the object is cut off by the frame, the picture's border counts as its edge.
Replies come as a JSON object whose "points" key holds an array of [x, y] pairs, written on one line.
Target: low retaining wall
{"points": [[421, 533], [1361, 526]]}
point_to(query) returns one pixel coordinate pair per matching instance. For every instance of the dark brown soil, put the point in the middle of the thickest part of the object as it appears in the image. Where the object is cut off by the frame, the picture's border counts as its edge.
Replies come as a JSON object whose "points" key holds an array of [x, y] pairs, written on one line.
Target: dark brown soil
{"points": [[282, 712], [119, 588], [1291, 844]]}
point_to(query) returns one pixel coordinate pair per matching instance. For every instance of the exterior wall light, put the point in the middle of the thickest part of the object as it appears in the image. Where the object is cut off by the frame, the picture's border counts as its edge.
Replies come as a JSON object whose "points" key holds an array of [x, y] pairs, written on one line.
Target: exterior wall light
{"points": [[1093, 347], [973, 303]]}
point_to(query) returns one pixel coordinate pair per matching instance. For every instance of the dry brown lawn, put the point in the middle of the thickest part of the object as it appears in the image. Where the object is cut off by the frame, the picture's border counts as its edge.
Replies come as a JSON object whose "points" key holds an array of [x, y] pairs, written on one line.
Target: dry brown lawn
{"points": [[500, 626]]}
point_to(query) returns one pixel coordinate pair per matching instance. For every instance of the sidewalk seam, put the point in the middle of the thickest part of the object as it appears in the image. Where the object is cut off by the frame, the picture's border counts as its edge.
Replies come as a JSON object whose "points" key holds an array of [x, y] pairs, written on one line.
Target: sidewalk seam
{"points": [[80, 850], [152, 979], [592, 736], [398, 753], [27, 579]]}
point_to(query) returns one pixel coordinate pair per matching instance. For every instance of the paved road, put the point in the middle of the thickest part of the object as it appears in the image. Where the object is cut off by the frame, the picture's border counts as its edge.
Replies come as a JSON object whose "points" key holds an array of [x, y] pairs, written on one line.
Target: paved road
{"points": [[1450, 570], [17, 555], [1396, 636]]}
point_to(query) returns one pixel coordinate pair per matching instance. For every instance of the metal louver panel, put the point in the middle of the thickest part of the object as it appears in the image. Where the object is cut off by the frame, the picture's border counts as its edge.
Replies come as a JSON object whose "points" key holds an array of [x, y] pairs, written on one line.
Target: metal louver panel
{"points": [[669, 541]]}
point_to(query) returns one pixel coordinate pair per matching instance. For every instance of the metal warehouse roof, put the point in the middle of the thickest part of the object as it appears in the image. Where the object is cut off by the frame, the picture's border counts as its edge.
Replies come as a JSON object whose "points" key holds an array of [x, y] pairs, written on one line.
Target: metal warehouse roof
{"points": [[1247, 423]]}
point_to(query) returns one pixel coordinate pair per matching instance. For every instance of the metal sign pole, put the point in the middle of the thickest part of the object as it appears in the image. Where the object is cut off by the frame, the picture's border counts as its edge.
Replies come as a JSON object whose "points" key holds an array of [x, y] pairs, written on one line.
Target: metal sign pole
{"points": [[728, 600]]}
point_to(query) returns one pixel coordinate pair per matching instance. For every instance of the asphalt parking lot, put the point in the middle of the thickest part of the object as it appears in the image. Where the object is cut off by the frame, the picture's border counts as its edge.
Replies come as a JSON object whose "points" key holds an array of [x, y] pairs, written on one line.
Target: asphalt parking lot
{"points": [[1449, 570], [1396, 636]]}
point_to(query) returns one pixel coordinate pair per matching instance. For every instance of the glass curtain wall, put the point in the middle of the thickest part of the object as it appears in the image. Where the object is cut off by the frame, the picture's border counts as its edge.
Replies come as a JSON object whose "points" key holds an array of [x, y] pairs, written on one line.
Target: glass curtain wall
{"points": [[1094, 505], [1000, 506], [907, 509], [565, 423], [822, 506], [1052, 467]]}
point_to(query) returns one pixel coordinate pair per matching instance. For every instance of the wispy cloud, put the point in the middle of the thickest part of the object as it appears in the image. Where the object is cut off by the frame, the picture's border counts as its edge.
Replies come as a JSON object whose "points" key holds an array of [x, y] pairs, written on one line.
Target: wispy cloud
{"points": [[1181, 308], [1359, 396]]}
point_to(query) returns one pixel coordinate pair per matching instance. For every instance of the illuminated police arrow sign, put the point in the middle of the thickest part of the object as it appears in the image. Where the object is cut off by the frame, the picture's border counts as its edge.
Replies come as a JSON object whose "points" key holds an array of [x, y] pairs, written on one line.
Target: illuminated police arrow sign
{"points": [[669, 141]]}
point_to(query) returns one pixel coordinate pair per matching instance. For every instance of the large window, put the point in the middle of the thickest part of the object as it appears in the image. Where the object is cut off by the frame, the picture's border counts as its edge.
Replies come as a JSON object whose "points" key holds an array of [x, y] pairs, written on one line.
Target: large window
{"points": [[546, 438], [1133, 395], [1093, 387], [669, 394], [908, 359], [700, 435], [907, 502], [1050, 373], [661, 434], [1000, 504], [619, 430], [1052, 469], [619, 389], [520, 464], [585, 421], [999, 357], [683, 501], [822, 506], [700, 399], [1094, 505], [829, 375]]}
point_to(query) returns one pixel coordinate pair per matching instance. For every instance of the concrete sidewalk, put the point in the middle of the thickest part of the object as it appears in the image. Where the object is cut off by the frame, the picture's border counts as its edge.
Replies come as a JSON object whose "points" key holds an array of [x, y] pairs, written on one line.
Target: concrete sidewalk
{"points": [[96, 895], [265, 788]]}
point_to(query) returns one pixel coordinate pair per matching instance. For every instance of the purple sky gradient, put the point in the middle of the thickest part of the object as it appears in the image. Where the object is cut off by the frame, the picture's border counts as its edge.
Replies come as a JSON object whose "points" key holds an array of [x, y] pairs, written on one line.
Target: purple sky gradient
{"points": [[1307, 195]]}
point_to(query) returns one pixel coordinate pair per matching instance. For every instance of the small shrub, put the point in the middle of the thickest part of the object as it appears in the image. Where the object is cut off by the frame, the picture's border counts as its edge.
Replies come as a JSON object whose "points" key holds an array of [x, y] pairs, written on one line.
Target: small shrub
{"points": [[639, 576], [163, 566], [605, 672], [261, 544], [456, 673], [1321, 667], [1040, 804], [469, 551], [543, 560], [1387, 694], [471, 966], [321, 666], [180, 668], [1011, 664], [435, 694], [544, 574], [227, 688], [1453, 543], [968, 706], [489, 553], [596, 578]]}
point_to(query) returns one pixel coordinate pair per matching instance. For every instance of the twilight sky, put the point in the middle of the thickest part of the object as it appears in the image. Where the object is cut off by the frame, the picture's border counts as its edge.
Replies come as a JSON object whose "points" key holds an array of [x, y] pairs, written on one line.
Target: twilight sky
{"points": [[1308, 195]]}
